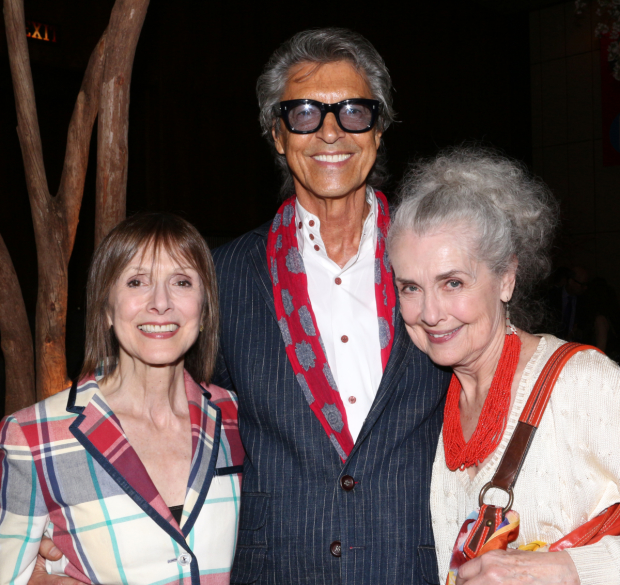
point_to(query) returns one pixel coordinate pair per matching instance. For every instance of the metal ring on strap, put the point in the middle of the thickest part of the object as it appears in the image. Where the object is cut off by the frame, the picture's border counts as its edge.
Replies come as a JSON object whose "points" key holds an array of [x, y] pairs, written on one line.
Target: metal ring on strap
{"points": [[490, 485]]}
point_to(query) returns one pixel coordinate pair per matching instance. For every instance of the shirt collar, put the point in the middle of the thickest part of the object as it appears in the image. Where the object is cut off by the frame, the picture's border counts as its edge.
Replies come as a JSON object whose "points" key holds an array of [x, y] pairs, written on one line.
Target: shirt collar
{"points": [[304, 217]]}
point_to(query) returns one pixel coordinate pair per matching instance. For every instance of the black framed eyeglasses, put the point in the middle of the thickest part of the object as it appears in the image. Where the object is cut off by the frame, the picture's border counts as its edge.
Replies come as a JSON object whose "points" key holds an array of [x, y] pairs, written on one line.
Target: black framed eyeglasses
{"points": [[306, 116]]}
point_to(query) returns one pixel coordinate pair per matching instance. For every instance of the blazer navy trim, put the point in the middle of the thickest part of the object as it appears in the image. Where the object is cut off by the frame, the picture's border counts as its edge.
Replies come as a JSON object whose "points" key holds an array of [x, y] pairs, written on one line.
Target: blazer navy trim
{"points": [[229, 470], [126, 487], [216, 445], [189, 523]]}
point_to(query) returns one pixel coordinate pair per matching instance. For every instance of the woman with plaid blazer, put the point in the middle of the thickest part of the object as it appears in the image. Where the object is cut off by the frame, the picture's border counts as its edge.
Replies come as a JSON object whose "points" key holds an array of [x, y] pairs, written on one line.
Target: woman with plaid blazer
{"points": [[135, 473]]}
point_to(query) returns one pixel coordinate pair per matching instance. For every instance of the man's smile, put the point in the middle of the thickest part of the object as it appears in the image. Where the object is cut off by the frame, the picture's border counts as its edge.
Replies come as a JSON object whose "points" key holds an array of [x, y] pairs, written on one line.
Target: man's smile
{"points": [[332, 158]]}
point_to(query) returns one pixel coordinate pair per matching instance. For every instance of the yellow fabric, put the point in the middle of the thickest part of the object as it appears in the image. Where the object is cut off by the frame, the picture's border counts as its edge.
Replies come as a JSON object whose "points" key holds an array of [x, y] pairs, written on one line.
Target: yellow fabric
{"points": [[534, 545]]}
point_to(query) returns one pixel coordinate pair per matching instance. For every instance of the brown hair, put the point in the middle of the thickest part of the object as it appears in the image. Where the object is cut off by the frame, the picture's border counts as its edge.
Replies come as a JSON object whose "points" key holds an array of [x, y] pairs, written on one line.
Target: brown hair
{"points": [[137, 234]]}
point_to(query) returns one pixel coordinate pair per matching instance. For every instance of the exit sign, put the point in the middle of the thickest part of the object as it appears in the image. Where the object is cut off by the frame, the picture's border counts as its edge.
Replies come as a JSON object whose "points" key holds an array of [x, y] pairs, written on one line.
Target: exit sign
{"points": [[40, 31]]}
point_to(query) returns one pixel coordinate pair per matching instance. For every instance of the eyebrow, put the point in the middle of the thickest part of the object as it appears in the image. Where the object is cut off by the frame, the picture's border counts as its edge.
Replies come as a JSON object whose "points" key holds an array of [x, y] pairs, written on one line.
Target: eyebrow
{"points": [[147, 270], [450, 274], [438, 278]]}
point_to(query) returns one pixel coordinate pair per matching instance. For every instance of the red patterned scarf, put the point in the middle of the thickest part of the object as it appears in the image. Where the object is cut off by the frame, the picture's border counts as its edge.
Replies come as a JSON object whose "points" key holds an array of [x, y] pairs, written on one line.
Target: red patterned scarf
{"points": [[299, 327]]}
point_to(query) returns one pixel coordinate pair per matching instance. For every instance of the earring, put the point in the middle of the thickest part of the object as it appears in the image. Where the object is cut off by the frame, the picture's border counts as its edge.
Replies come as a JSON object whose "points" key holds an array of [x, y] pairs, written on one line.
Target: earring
{"points": [[202, 328], [510, 328]]}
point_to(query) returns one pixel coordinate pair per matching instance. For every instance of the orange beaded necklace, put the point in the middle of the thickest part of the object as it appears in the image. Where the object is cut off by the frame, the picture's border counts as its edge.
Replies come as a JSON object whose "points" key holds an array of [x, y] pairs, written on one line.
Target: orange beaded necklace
{"points": [[492, 421]]}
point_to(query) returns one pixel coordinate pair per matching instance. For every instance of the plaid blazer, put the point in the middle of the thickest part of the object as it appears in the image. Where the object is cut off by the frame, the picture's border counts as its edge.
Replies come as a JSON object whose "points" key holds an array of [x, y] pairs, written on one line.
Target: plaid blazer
{"points": [[68, 471]]}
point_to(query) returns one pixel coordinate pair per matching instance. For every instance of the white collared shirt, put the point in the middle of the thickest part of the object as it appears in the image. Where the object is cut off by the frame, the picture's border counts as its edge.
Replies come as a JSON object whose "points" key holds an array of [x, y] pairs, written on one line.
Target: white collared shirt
{"points": [[346, 313]]}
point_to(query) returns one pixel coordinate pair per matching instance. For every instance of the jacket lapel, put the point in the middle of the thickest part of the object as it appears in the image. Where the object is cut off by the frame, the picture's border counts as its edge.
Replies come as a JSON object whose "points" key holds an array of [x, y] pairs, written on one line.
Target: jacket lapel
{"points": [[206, 421], [99, 431], [101, 434], [402, 350], [400, 357], [257, 259]]}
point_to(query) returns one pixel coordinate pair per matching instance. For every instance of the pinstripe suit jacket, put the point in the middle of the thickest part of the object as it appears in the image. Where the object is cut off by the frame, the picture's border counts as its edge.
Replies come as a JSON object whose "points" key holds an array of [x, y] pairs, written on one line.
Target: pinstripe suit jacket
{"points": [[293, 507], [66, 468]]}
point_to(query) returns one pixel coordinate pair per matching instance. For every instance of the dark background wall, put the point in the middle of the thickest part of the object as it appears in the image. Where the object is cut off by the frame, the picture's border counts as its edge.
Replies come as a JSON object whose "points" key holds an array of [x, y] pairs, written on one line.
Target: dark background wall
{"points": [[461, 71], [568, 136]]}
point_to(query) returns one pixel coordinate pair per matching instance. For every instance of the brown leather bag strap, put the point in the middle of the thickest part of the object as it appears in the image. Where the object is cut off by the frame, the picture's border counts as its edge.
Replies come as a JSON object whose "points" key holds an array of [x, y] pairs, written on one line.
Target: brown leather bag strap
{"points": [[509, 467]]}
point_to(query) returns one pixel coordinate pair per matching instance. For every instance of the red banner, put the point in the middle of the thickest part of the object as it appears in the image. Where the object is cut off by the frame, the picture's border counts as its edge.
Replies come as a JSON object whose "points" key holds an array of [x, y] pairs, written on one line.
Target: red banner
{"points": [[610, 107]]}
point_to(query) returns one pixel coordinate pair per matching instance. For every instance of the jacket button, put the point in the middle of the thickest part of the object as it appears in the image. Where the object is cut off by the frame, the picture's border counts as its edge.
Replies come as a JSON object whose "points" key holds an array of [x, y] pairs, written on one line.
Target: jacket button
{"points": [[335, 548], [347, 483], [185, 559]]}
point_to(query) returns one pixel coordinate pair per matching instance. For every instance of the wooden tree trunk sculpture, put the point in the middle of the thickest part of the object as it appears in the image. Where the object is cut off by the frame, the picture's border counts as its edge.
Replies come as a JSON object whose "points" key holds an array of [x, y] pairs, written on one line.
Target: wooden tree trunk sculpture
{"points": [[55, 219], [16, 337], [123, 33]]}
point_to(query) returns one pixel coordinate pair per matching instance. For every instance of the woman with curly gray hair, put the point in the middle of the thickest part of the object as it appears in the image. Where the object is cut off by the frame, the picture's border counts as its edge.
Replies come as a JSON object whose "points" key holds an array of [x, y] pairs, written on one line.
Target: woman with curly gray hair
{"points": [[468, 244]]}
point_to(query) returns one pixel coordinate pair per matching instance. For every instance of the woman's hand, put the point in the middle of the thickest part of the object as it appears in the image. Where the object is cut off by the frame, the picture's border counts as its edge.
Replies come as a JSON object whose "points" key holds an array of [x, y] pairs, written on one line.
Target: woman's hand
{"points": [[40, 576], [517, 566]]}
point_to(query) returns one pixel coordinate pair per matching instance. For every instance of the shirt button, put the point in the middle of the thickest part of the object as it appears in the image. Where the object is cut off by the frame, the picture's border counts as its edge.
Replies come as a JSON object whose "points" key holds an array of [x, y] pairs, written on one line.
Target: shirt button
{"points": [[335, 548], [338, 280], [299, 225], [352, 399], [311, 237], [347, 483], [344, 339], [311, 223], [316, 247], [185, 559]]}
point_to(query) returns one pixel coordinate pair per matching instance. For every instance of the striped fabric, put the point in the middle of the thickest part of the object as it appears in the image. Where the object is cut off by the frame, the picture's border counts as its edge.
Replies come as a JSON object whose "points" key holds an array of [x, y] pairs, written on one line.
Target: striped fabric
{"points": [[68, 471], [293, 506]]}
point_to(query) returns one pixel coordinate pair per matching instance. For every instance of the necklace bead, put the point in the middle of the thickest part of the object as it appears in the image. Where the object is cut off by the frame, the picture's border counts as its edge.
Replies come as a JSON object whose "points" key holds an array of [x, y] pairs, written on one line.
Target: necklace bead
{"points": [[492, 421]]}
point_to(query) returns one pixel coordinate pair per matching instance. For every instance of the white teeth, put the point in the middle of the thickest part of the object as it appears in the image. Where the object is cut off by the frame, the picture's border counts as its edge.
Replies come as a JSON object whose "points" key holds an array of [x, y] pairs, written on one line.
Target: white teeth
{"points": [[332, 158], [158, 328], [443, 334]]}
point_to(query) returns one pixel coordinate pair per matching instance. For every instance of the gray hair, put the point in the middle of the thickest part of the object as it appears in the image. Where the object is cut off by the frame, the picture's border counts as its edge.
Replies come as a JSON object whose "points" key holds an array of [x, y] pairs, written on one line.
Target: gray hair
{"points": [[512, 215], [321, 46]]}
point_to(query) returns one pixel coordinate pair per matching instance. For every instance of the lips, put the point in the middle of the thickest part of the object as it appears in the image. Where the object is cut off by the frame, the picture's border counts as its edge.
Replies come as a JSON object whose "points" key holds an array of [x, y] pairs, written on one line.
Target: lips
{"points": [[157, 331], [444, 336]]}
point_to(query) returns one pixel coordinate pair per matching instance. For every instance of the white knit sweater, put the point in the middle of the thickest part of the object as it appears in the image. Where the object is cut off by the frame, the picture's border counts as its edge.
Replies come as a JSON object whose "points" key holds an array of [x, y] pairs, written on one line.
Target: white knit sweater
{"points": [[571, 473]]}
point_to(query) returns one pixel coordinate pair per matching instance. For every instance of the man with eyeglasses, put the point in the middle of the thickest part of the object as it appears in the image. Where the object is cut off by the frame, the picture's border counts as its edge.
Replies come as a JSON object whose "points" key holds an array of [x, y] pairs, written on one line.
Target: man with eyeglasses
{"points": [[339, 412]]}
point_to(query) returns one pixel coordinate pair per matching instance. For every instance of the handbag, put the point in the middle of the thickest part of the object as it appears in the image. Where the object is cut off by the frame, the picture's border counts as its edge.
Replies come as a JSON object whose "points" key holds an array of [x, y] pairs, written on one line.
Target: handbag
{"points": [[493, 528]]}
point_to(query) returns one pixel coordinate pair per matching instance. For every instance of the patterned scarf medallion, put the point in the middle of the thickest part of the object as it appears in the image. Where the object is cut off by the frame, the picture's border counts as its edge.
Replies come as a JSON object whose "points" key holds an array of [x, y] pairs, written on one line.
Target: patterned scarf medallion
{"points": [[298, 325]]}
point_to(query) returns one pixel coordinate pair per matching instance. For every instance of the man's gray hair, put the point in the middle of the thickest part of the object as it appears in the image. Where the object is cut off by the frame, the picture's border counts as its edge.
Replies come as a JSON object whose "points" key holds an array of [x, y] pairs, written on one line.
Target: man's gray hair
{"points": [[506, 211], [321, 46]]}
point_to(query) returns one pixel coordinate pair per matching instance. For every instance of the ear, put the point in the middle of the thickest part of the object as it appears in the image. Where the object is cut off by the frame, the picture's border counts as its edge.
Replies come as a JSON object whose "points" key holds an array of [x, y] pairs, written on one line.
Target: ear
{"points": [[508, 280], [279, 138], [378, 135]]}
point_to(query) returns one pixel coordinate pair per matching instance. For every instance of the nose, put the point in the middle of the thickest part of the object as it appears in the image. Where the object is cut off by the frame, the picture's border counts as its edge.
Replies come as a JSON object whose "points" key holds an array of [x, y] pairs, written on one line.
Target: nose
{"points": [[432, 310], [160, 300], [330, 132]]}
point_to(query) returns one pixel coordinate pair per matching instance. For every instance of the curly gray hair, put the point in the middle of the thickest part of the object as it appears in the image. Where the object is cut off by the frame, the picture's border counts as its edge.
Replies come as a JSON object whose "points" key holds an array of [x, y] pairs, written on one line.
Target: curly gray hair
{"points": [[512, 214], [323, 45]]}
